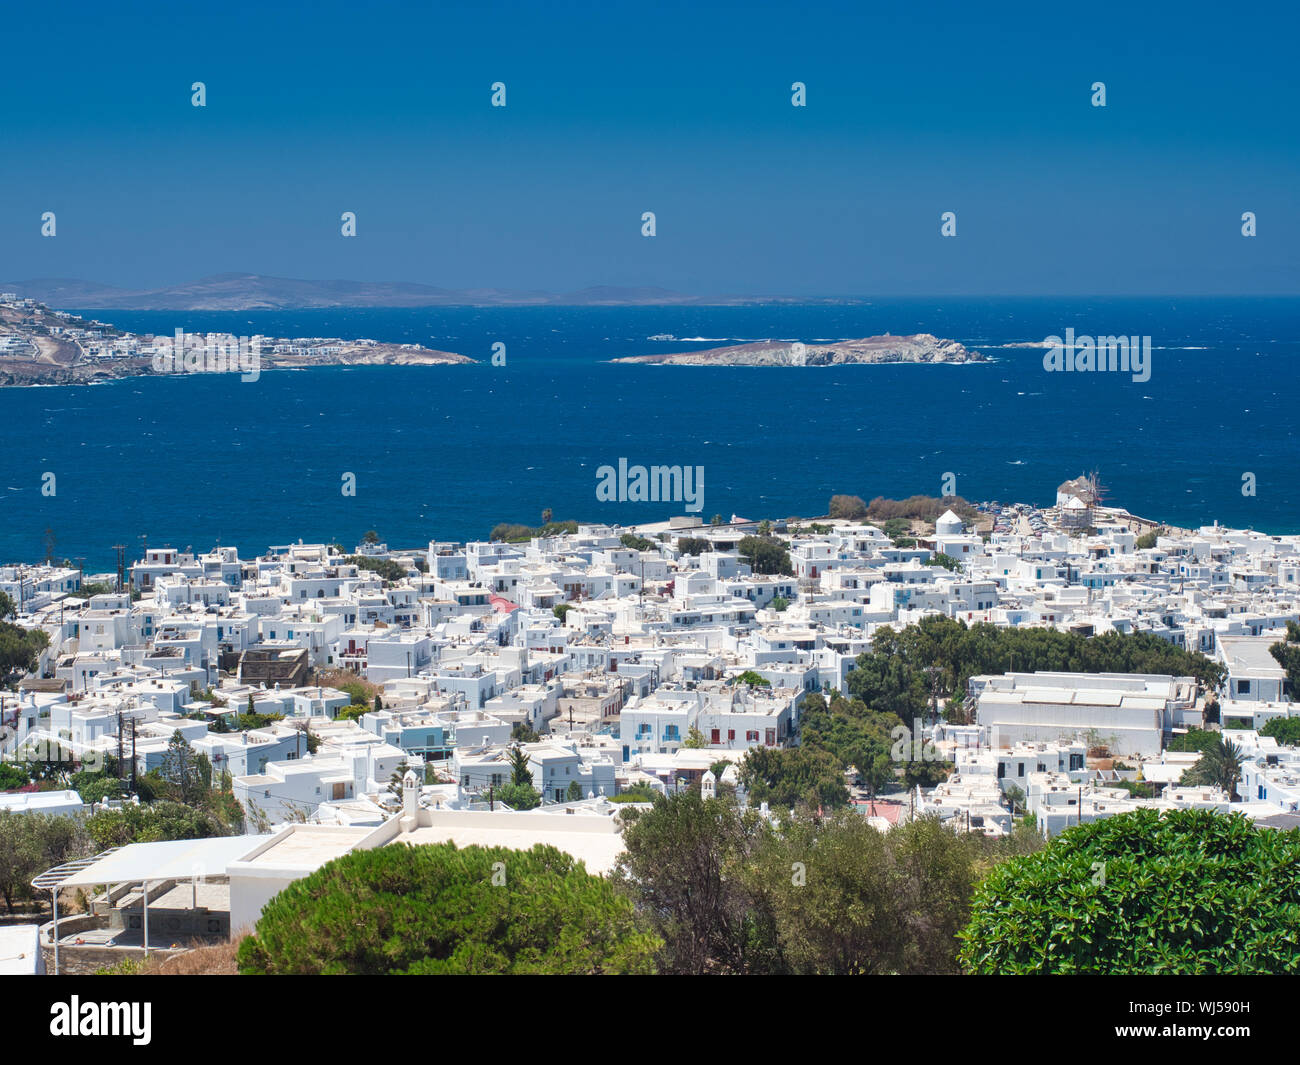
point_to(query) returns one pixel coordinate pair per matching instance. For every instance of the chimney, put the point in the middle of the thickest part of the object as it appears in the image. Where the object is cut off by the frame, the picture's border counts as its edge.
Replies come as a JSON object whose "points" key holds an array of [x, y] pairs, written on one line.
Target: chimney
{"points": [[410, 801]]}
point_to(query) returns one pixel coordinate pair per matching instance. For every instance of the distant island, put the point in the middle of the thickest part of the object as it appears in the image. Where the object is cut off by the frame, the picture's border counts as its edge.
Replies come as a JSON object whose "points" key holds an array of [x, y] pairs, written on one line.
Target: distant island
{"points": [[41, 346], [257, 292], [918, 348]]}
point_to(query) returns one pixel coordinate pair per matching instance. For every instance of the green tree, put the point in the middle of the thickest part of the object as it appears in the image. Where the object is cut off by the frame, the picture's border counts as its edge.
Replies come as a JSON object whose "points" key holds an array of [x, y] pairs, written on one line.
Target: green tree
{"points": [[154, 823], [754, 680], [765, 555], [729, 892], [694, 739], [574, 792], [896, 528], [519, 796], [1183, 892], [1218, 766], [848, 899], [20, 648], [1286, 730], [520, 773], [853, 735], [681, 867], [1194, 739], [785, 777], [7, 607], [32, 843], [188, 776], [437, 909], [560, 609], [14, 775], [917, 772]]}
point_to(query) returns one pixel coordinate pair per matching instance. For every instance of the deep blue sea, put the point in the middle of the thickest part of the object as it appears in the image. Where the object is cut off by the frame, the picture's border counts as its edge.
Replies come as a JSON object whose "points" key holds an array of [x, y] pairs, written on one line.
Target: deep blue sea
{"points": [[447, 451]]}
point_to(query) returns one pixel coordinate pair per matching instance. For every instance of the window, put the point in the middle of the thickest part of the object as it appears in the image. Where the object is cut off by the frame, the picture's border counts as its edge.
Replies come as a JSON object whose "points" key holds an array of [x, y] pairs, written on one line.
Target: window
{"points": [[731, 734], [714, 736]]}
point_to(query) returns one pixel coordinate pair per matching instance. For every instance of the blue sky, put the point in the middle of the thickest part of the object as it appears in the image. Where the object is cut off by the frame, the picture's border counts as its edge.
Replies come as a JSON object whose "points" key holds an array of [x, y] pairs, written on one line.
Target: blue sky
{"points": [[680, 109]]}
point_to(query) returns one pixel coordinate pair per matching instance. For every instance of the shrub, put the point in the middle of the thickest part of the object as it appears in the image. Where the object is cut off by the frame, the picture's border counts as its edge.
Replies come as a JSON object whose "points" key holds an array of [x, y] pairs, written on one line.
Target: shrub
{"points": [[441, 909], [1186, 892]]}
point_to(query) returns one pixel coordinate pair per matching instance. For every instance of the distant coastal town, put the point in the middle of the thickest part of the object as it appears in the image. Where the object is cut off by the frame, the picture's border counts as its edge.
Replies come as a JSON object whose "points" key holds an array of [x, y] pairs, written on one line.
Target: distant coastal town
{"points": [[41, 346]]}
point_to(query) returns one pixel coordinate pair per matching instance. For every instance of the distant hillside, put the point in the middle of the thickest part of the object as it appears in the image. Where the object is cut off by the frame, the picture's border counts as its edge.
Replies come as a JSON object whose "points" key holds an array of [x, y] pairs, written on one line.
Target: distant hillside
{"points": [[250, 292]]}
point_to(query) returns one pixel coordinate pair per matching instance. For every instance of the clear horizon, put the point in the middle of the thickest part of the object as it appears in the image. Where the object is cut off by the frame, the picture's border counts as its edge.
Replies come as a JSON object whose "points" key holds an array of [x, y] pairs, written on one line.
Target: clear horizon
{"points": [[685, 112]]}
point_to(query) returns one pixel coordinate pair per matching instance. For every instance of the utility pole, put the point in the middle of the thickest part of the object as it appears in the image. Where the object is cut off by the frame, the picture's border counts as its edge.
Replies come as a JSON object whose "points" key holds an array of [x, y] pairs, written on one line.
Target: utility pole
{"points": [[133, 784]]}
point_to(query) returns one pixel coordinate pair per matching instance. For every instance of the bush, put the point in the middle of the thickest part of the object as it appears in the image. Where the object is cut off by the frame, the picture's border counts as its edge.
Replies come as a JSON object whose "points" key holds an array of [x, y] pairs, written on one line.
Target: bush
{"points": [[1189, 892], [787, 776], [440, 909], [519, 796], [32, 843], [636, 793], [386, 568], [151, 824], [1286, 730], [765, 555], [851, 508], [1194, 739]]}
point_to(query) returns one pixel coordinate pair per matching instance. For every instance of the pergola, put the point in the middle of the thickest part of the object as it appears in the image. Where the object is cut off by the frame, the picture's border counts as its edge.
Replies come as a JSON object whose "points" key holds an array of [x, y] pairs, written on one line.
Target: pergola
{"points": [[145, 863]]}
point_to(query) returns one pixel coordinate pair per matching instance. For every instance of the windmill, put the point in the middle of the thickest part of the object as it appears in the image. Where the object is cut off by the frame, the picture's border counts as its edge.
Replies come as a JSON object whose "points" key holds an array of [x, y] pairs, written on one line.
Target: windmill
{"points": [[1096, 492]]}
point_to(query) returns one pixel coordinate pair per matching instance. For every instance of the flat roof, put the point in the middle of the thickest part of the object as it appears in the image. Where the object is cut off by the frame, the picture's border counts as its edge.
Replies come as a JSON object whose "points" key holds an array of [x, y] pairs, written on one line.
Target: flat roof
{"points": [[306, 846], [1250, 654], [171, 860], [20, 950]]}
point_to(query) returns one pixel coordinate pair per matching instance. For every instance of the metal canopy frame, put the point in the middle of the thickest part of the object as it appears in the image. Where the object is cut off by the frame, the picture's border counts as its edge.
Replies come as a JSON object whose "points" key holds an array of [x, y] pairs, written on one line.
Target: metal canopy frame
{"points": [[52, 879]]}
